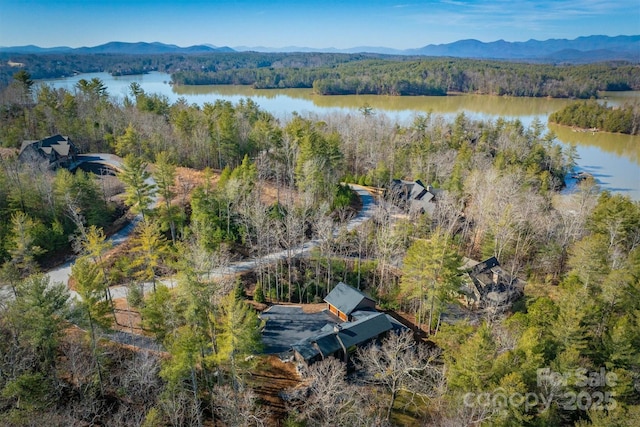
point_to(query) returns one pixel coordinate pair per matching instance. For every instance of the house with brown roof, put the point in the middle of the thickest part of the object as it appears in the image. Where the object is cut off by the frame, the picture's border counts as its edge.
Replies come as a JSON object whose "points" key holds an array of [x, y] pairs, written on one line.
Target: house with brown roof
{"points": [[49, 153]]}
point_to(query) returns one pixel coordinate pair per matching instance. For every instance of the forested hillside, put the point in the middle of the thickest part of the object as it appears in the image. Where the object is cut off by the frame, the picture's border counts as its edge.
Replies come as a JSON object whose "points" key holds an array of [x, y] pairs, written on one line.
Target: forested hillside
{"points": [[566, 353], [52, 65], [339, 74], [429, 77]]}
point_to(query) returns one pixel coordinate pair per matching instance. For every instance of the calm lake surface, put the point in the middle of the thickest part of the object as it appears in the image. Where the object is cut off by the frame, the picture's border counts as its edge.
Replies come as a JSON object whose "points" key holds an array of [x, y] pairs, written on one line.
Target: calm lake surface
{"points": [[614, 160]]}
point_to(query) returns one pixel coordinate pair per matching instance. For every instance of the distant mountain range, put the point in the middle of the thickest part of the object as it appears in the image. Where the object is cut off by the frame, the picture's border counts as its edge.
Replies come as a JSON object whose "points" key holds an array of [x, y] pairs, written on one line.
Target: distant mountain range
{"points": [[580, 50], [140, 48]]}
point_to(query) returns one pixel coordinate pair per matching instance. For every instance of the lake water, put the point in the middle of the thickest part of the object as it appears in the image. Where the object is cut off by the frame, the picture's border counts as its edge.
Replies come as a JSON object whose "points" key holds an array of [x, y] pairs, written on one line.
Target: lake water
{"points": [[614, 160]]}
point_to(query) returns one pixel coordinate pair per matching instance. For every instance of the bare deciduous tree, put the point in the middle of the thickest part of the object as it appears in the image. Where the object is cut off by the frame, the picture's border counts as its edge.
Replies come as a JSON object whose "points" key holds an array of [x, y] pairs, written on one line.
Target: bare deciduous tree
{"points": [[240, 408], [327, 399], [400, 363], [140, 377]]}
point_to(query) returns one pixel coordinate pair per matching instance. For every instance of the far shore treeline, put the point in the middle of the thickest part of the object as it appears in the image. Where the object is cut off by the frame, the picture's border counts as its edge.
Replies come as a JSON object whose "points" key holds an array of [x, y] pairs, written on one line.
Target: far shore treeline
{"points": [[344, 74]]}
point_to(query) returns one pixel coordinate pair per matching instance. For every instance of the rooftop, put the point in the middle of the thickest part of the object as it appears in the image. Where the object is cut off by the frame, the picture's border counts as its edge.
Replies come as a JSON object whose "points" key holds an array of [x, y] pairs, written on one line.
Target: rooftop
{"points": [[346, 299]]}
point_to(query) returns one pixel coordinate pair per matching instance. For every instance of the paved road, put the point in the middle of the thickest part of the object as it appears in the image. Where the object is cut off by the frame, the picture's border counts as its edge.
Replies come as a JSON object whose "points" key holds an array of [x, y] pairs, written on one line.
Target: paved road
{"points": [[367, 211], [368, 207], [62, 273]]}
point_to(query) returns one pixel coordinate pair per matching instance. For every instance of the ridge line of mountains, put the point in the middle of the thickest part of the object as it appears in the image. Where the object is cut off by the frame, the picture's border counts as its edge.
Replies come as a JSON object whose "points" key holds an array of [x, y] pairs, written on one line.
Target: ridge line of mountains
{"points": [[580, 50]]}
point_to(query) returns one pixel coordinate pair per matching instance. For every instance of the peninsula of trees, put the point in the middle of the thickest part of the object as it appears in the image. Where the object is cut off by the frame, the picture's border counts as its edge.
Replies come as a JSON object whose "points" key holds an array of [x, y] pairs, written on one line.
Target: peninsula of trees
{"points": [[600, 117]]}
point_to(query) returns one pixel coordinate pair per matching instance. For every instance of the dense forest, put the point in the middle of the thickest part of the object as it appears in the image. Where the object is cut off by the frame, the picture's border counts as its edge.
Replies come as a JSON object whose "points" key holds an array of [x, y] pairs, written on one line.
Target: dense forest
{"points": [[54, 65], [340, 74], [233, 183], [430, 77], [592, 115]]}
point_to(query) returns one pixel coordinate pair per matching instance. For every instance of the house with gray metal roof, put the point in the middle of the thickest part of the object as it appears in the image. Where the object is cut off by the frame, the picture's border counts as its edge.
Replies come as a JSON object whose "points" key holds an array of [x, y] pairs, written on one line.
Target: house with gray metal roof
{"points": [[351, 321], [343, 339], [343, 300]]}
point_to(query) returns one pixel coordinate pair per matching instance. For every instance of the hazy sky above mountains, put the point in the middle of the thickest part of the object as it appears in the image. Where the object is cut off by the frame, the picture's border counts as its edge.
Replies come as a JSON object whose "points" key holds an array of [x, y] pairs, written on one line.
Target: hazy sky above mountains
{"points": [[398, 24]]}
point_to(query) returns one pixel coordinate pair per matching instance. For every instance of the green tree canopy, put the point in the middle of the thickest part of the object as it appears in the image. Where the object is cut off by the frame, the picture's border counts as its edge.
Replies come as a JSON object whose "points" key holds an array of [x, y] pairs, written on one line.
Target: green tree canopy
{"points": [[139, 187], [430, 276]]}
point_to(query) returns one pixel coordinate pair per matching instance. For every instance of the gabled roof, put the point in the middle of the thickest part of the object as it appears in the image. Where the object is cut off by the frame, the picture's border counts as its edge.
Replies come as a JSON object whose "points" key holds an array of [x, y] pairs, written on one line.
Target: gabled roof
{"points": [[324, 344], [490, 283], [361, 331], [327, 344], [53, 147], [415, 193], [347, 299], [350, 334], [306, 349], [485, 265]]}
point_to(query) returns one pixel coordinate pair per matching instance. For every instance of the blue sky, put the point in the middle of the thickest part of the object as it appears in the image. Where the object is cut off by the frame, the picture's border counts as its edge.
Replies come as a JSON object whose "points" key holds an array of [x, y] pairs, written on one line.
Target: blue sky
{"points": [[398, 24]]}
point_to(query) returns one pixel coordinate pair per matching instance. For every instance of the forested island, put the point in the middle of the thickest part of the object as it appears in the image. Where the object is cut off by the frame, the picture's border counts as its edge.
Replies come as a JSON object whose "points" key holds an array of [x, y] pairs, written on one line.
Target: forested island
{"points": [[164, 332], [600, 117], [344, 74]]}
